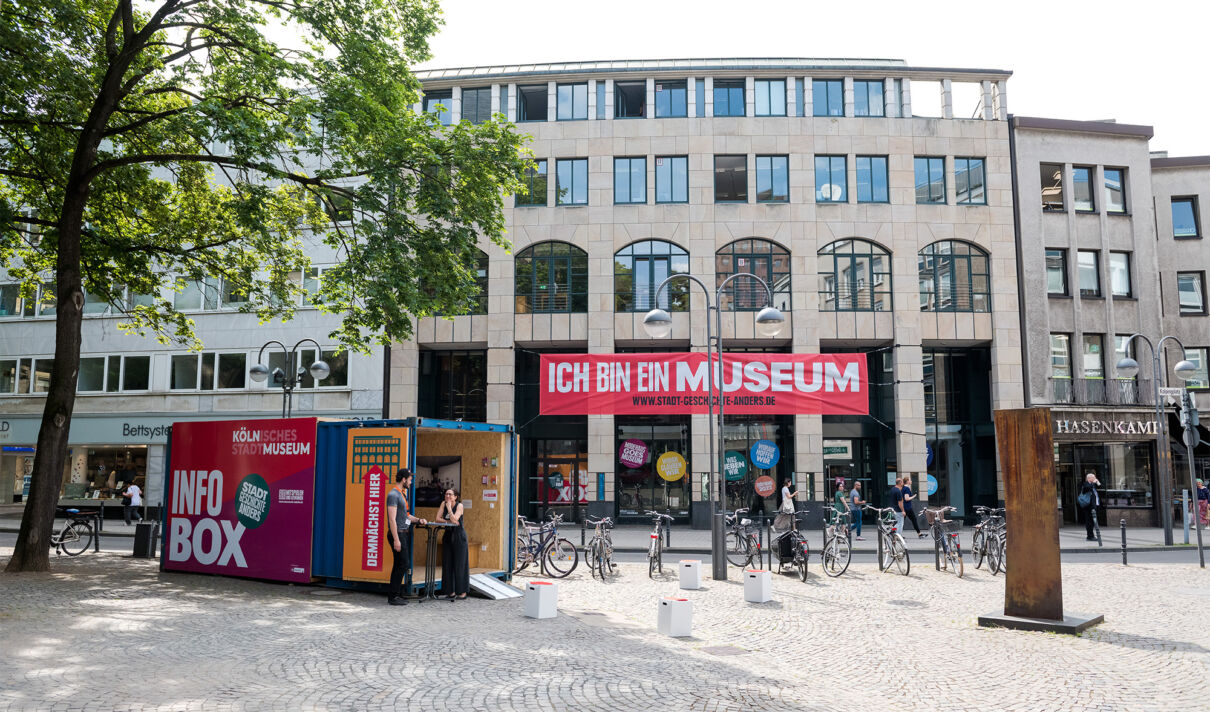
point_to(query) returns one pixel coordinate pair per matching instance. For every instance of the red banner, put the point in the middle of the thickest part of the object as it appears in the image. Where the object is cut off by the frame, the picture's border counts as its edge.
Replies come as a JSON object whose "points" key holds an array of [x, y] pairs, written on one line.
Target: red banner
{"points": [[671, 383]]}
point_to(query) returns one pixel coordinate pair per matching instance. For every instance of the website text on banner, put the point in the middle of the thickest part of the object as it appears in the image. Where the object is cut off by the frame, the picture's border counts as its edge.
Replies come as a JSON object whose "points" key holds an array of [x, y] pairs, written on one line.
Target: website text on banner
{"points": [[241, 498], [651, 384]]}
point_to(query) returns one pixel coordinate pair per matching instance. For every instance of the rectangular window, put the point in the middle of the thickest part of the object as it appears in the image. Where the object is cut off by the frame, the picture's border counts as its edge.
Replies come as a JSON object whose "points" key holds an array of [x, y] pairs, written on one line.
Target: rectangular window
{"points": [[8, 375], [1088, 269], [535, 184], [1185, 222], [338, 365], [1115, 190], [867, 98], [671, 99], [1060, 356], [969, 180], [831, 184], [113, 373], [231, 371], [95, 304], [827, 97], [1056, 272], [571, 102], [629, 100], [772, 179], [571, 181], [770, 97], [477, 105], [10, 300], [1051, 175], [930, 179], [800, 98], [1081, 189], [1198, 357], [136, 373], [232, 295], [504, 100], [630, 180], [440, 103], [699, 98], [1191, 292], [200, 294], [601, 99], [671, 179], [184, 374], [729, 97], [41, 374], [531, 103], [453, 385], [872, 179], [91, 378], [1094, 356], [730, 179], [1119, 274]]}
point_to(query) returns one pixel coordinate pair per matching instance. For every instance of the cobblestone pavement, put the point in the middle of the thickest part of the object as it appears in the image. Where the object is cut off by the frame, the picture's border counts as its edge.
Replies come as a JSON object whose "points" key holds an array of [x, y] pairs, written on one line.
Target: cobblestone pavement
{"points": [[109, 632]]}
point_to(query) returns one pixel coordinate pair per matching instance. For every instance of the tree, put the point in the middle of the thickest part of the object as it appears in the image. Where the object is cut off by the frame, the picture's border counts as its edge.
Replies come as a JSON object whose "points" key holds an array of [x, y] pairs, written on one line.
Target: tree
{"points": [[148, 147]]}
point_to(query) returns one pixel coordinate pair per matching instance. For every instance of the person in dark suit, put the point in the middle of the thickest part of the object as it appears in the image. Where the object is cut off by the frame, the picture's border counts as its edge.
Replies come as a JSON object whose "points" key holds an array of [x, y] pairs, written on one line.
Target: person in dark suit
{"points": [[455, 574], [1089, 487]]}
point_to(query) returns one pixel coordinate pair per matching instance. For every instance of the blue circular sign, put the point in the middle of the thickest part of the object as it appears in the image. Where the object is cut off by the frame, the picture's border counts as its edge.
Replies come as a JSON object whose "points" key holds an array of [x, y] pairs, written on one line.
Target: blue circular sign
{"points": [[932, 485], [928, 456], [764, 454]]}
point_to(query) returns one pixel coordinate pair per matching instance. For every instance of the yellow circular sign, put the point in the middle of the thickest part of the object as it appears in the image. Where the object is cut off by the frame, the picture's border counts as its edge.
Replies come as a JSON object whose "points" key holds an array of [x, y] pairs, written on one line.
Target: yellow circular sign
{"points": [[670, 466]]}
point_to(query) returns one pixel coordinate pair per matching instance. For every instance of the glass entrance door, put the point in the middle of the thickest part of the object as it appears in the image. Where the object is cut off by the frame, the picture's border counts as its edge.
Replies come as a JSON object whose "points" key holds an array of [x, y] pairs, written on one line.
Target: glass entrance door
{"points": [[558, 478]]}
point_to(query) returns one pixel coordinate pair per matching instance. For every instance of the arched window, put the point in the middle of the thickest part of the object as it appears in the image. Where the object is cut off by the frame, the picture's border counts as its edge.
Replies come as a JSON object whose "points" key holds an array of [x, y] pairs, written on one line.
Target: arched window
{"points": [[854, 275], [954, 276], [638, 270], [765, 259], [552, 277]]}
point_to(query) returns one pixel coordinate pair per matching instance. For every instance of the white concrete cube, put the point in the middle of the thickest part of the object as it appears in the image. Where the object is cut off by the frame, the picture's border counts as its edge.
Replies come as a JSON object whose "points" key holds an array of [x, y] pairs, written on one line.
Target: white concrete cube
{"points": [[540, 599], [758, 586], [691, 574], [676, 617]]}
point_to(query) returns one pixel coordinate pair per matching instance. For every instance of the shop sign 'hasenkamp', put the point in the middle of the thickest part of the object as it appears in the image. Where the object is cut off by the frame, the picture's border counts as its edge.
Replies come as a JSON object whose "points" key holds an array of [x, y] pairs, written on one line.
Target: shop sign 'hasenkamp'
{"points": [[642, 384]]}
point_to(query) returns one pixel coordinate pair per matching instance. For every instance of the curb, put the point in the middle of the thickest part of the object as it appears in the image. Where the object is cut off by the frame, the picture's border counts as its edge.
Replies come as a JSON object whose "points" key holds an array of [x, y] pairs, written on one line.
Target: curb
{"points": [[1062, 550], [104, 534]]}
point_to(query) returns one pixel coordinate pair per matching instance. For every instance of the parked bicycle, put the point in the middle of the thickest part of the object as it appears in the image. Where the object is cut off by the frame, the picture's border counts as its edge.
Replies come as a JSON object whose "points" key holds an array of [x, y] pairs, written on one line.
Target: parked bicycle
{"points": [[989, 539], [557, 556], [894, 551], [946, 540], [76, 535], [791, 548], [836, 552], [599, 552], [743, 544], [655, 550]]}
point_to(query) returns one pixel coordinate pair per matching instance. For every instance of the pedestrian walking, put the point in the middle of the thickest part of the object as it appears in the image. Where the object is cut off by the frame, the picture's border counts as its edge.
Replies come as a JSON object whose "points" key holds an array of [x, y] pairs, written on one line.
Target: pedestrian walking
{"points": [[1089, 500], [856, 503], [1203, 502], [399, 519], [896, 497], [909, 505], [132, 499], [785, 505], [840, 501], [455, 575]]}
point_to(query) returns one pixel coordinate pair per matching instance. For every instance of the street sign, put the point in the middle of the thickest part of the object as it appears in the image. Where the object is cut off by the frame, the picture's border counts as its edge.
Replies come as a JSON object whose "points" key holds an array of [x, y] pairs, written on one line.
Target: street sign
{"points": [[1167, 391]]}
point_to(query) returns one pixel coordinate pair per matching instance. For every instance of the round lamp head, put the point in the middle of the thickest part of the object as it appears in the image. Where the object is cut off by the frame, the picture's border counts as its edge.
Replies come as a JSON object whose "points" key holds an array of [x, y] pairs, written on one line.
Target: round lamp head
{"points": [[259, 372], [657, 324], [769, 322], [1128, 368], [319, 370], [1185, 370]]}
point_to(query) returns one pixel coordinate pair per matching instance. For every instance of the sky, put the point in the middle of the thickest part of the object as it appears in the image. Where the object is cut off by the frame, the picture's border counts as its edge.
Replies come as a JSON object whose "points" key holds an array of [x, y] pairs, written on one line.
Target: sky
{"points": [[1137, 62]]}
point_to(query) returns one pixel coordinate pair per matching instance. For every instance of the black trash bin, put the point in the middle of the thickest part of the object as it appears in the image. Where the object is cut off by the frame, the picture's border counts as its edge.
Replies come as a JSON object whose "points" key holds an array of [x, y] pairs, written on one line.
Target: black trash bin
{"points": [[145, 536]]}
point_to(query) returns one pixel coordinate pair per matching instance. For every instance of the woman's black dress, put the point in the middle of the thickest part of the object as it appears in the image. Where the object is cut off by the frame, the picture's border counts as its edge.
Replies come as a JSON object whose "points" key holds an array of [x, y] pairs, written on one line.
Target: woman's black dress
{"points": [[455, 574]]}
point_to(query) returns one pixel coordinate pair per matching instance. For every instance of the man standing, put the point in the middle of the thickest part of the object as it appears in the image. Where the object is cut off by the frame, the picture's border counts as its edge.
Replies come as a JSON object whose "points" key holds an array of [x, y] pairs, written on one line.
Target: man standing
{"points": [[897, 503], [856, 503], [1089, 500], [132, 500], [399, 520]]}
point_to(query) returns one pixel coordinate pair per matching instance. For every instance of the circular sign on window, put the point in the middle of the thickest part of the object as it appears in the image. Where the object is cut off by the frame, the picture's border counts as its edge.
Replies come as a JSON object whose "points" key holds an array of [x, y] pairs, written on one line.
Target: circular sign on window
{"points": [[932, 485], [670, 466], [735, 466], [252, 501], [633, 453], [764, 454], [764, 486]]}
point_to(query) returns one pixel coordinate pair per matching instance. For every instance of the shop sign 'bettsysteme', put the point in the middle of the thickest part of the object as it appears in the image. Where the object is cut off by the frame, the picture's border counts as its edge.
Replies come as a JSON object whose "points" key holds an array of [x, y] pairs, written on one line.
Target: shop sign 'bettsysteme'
{"points": [[673, 383], [241, 498]]}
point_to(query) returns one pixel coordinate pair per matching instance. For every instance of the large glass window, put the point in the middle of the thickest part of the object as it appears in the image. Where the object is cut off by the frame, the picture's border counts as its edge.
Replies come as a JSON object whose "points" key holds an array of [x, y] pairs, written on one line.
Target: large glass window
{"points": [[867, 98], [1198, 357], [671, 99], [872, 179], [1115, 190], [638, 269], [854, 275], [1060, 356], [629, 100], [200, 294], [772, 179], [136, 373], [192, 372], [641, 488], [630, 180], [477, 105], [969, 180], [1081, 188], [571, 102], [730, 179], [767, 260], [770, 97], [729, 97], [1191, 292], [440, 103], [1056, 272], [827, 97], [1185, 218], [337, 360], [571, 181], [831, 183], [10, 300], [91, 376], [954, 276], [531, 103], [1088, 268], [1119, 274], [535, 184], [671, 179], [930, 179], [1094, 356], [551, 277], [1051, 175], [453, 385]]}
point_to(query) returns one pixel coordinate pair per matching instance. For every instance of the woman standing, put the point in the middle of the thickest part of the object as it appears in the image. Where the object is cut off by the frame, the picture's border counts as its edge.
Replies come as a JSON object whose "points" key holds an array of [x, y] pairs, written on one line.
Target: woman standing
{"points": [[785, 505], [909, 505], [1203, 501], [455, 575]]}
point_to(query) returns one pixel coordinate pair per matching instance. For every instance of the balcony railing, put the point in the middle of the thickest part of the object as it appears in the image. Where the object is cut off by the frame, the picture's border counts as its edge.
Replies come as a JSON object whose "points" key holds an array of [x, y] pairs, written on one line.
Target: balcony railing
{"points": [[1100, 391]]}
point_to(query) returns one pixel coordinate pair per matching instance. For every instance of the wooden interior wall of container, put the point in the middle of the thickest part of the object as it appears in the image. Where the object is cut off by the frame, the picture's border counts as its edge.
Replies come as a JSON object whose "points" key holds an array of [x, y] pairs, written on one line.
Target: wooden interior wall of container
{"points": [[486, 522]]}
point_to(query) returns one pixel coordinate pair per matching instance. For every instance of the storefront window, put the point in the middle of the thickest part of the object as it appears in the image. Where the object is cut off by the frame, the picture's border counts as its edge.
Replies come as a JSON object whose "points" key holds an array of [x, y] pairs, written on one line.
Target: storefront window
{"points": [[739, 434], [106, 471], [640, 487], [1123, 468]]}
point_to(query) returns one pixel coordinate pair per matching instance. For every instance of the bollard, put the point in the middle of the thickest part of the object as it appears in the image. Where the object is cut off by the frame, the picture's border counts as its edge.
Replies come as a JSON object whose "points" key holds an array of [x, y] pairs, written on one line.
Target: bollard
{"points": [[675, 617], [691, 574], [541, 599], [1123, 525], [582, 531], [758, 586], [96, 539]]}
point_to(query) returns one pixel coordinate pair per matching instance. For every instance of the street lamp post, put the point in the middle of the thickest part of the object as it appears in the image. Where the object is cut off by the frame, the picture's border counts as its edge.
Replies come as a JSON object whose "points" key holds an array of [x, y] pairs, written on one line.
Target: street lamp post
{"points": [[1129, 368], [658, 324], [289, 378]]}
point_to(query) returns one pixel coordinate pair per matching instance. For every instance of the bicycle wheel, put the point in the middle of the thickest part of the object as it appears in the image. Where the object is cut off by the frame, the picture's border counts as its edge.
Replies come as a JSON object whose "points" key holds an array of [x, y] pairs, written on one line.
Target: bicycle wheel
{"points": [[977, 547], [561, 558], [1004, 554], [993, 555], [954, 554], [738, 551], [76, 538], [659, 555], [524, 557], [591, 554], [836, 556], [804, 556], [606, 559], [900, 554]]}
